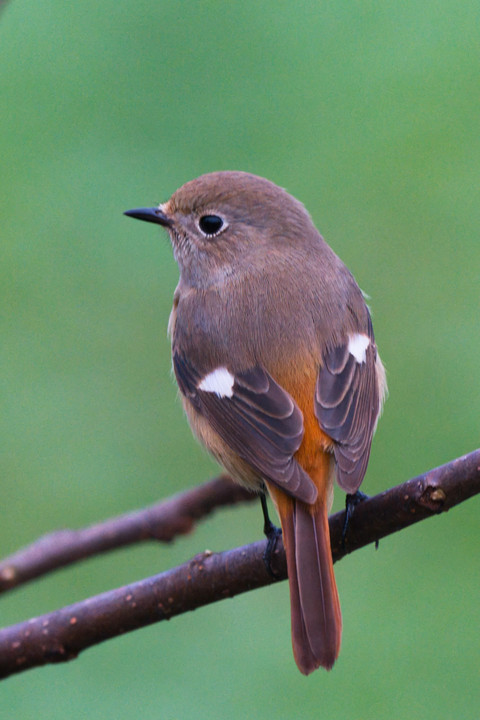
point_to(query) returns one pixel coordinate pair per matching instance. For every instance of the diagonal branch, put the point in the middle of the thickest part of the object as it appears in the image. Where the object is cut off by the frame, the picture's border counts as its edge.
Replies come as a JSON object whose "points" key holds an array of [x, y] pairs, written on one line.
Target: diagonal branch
{"points": [[162, 522], [63, 634]]}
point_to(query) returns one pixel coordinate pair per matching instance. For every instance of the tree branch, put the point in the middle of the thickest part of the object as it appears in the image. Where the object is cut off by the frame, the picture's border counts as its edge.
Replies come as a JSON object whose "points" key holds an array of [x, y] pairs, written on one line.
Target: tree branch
{"points": [[162, 522], [63, 634]]}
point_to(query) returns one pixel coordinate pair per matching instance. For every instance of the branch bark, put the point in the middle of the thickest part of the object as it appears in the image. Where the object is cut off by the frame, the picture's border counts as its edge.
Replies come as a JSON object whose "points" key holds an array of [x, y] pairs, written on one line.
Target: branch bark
{"points": [[63, 634], [162, 522]]}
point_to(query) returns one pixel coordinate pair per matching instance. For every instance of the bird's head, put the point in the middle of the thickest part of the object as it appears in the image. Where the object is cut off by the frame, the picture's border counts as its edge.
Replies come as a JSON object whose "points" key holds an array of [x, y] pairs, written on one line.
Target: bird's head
{"points": [[222, 222]]}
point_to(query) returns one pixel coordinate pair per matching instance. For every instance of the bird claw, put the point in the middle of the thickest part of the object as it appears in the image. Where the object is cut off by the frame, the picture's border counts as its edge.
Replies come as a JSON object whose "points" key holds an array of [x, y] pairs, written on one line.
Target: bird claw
{"points": [[351, 502], [272, 533]]}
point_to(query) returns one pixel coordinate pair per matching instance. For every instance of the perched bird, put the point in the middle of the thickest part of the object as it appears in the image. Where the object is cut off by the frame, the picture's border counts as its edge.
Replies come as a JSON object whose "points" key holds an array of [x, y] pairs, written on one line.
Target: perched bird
{"points": [[275, 357]]}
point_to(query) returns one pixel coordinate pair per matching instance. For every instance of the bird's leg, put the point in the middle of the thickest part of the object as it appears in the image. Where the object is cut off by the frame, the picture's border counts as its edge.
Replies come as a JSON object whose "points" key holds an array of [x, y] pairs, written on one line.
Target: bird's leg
{"points": [[271, 532], [351, 502]]}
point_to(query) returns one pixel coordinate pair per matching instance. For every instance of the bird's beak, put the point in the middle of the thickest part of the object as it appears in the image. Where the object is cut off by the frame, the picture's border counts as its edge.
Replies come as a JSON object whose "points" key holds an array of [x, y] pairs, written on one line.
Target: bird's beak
{"points": [[154, 215]]}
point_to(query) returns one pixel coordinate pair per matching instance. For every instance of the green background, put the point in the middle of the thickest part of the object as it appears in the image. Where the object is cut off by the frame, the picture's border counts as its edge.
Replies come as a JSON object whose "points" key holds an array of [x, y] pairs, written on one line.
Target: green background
{"points": [[369, 113]]}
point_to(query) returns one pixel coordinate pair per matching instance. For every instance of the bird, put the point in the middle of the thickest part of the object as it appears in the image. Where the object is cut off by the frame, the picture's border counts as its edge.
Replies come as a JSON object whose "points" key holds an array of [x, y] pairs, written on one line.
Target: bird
{"points": [[275, 358]]}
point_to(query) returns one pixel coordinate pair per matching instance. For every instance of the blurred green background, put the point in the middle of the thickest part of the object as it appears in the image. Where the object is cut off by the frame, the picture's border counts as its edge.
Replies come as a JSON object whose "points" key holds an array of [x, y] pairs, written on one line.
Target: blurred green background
{"points": [[369, 113]]}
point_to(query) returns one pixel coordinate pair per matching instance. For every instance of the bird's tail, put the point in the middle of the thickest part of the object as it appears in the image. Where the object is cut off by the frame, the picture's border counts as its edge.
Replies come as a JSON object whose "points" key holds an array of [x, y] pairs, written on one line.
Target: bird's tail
{"points": [[315, 607]]}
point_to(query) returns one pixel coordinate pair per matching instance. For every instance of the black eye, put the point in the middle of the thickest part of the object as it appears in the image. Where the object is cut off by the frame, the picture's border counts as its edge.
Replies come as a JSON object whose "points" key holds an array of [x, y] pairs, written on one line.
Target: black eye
{"points": [[210, 224]]}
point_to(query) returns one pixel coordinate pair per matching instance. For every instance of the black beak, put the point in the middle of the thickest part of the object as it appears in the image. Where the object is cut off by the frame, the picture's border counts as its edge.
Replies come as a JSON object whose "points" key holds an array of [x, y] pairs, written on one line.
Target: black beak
{"points": [[154, 215]]}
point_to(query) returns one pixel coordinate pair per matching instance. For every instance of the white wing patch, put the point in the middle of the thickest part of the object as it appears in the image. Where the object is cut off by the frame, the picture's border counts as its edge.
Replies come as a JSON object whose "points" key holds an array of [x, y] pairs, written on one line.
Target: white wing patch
{"points": [[219, 381], [357, 346]]}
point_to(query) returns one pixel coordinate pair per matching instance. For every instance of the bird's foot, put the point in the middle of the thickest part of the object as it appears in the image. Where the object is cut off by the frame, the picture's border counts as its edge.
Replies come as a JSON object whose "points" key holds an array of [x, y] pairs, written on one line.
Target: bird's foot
{"points": [[351, 502], [272, 533]]}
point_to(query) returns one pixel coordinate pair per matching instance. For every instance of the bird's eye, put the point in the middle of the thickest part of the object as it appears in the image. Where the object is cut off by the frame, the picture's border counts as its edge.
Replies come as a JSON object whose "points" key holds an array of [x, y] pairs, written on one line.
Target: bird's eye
{"points": [[210, 224]]}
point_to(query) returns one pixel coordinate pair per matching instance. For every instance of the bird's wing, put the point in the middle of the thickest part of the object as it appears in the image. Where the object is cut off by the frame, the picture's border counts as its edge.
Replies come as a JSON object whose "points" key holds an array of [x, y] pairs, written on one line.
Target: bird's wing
{"points": [[347, 404], [254, 416]]}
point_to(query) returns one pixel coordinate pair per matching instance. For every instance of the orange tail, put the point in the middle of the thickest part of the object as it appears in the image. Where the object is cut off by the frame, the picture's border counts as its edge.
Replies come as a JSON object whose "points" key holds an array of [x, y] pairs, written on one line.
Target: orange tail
{"points": [[315, 608]]}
